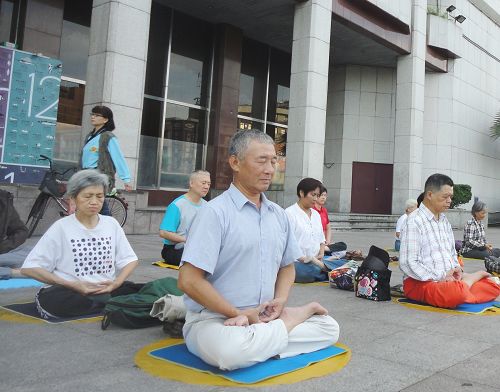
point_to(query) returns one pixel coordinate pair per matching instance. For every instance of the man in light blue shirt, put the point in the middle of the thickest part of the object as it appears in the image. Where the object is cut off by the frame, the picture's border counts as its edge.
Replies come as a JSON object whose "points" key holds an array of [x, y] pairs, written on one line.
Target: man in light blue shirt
{"points": [[237, 270], [180, 215]]}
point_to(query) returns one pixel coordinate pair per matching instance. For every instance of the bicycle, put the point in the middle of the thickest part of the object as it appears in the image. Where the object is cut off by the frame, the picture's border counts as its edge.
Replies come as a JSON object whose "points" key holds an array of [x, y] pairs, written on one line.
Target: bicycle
{"points": [[53, 188]]}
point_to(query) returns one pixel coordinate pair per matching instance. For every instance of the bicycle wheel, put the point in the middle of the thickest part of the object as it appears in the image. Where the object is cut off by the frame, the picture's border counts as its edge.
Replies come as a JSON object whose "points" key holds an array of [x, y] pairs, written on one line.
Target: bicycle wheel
{"points": [[117, 209], [36, 212]]}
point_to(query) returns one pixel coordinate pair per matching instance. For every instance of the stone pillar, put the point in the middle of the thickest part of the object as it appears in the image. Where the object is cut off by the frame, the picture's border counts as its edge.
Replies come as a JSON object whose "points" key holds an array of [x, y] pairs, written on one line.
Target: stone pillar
{"points": [[225, 100], [116, 69], [408, 136], [308, 94]]}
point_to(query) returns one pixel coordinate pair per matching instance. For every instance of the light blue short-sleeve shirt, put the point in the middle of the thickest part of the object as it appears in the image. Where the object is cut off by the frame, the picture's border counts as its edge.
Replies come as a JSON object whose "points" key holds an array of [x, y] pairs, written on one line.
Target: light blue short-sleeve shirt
{"points": [[240, 247]]}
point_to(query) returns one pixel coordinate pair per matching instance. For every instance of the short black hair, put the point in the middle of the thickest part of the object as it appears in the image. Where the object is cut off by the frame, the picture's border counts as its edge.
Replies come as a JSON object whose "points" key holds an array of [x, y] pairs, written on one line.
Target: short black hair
{"points": [[308, 185], [322, 189], [436, 181], [420, 199], [105, 112]]}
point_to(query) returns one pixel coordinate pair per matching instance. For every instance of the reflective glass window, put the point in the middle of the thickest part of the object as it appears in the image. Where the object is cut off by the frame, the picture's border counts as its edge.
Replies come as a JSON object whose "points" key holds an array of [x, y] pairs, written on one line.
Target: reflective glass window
{"points": [[253, 79], [156, 66], [75, 38], [279, 87], [190, 60], [147, 171], [182, 145], [6, 13], [245, 124], [279, 136]]}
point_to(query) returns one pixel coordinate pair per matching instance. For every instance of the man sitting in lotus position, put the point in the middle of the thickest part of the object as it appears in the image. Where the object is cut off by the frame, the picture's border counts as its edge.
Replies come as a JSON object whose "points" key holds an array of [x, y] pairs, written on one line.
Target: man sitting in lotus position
{"points": [[428, 257], [238, 267]]}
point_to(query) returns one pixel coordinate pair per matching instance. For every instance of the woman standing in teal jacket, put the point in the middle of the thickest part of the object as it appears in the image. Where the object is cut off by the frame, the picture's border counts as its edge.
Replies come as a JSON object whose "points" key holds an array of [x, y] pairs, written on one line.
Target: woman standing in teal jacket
{"points": [[101, 150]]}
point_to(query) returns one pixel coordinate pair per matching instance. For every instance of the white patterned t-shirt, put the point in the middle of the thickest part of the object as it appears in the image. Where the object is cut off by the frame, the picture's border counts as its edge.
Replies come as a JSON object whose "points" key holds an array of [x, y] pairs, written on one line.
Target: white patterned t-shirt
{"points": [[73, 252]]}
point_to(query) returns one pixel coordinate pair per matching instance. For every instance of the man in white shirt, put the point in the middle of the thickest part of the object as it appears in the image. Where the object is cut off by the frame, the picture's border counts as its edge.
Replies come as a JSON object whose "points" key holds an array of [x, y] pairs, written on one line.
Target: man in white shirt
{"points": [[428, 257]]}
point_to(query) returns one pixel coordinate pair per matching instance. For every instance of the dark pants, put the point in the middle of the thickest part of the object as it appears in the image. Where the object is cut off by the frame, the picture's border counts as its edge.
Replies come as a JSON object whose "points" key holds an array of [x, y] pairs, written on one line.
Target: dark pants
{"points": [[60, 301], [481, 253], [105, 209], [171, 255]]}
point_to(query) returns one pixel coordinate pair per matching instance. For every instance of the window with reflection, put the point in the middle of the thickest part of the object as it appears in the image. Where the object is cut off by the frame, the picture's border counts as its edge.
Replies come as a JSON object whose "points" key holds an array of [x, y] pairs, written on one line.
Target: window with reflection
{"points": [[75, 41], [253, 79], [75, 38], [245, 124], [279, 87], [6, 17], [156, 66], [182, 153], [279, 136], [190, 60], [149, 149]]}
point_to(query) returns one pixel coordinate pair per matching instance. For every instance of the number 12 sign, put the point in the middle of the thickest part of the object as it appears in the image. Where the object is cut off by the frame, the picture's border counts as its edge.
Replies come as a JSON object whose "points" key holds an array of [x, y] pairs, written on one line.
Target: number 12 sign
{"points": [[29, 97]]}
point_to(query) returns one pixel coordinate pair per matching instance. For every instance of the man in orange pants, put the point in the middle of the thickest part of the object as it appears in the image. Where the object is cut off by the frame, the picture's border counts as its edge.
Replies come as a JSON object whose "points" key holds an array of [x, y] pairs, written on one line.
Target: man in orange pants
{"points": [[428, 257]]}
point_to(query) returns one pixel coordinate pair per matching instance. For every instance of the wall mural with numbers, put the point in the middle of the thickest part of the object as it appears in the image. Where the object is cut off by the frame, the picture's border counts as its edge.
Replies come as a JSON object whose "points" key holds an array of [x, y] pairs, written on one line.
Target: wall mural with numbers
{"points": [[29, 97]]}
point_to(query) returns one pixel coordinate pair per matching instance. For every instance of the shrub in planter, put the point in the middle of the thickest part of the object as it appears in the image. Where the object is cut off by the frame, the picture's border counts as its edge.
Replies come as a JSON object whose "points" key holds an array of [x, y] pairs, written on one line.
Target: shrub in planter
{"points": [[461, 195]]}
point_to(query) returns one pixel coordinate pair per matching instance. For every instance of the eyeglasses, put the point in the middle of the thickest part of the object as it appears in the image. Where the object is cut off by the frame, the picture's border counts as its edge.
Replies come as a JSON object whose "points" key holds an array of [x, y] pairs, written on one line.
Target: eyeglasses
{"points": [[96, 115]]}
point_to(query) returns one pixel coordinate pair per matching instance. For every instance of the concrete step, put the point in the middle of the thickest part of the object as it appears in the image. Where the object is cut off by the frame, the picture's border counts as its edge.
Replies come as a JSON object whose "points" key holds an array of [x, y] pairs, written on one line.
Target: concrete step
{"points": [[360, 222]]}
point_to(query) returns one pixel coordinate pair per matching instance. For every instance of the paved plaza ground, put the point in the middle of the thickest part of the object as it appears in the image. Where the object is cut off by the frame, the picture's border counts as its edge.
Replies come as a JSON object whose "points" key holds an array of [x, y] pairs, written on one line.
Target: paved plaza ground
{"points": [[394, 348]]}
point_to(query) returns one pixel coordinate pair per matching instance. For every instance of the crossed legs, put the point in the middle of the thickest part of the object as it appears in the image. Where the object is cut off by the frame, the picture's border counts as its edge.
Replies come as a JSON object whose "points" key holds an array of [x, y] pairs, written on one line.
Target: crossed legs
{"points": [[298, 330]]}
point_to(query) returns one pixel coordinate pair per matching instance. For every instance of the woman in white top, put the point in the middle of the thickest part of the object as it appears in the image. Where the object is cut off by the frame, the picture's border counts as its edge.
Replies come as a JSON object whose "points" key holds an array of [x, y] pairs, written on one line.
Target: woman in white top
{"points": [[85, 257], [308, 230], [411, 205]]}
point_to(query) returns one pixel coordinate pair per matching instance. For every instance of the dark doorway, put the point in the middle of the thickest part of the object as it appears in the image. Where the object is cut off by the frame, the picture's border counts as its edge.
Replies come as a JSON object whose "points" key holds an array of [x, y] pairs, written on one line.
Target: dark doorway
{"points": [[371, 191]]}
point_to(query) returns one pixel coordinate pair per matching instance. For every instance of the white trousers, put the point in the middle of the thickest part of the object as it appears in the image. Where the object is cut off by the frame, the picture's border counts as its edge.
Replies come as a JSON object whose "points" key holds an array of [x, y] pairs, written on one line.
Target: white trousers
{"points": [[228, 347]]}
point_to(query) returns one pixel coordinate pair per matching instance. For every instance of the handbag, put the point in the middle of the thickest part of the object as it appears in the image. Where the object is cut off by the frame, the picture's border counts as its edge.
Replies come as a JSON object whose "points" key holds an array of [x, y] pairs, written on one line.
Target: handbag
{"points": [[373, 278]]}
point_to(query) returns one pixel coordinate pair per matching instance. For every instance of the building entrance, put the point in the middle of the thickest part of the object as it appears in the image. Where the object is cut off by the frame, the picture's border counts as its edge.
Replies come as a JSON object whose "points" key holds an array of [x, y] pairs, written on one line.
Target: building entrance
{"points": [[371, 191]]}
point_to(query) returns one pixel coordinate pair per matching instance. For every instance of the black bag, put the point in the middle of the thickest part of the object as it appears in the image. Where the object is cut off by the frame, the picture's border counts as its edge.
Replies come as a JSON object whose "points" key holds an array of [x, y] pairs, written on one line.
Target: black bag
{"points": [[52, 185], [133, 310], [373, 278]]}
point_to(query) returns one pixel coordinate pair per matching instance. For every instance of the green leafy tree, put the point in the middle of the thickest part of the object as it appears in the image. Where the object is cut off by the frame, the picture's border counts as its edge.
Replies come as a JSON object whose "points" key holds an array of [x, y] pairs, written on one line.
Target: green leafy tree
{"points": [[461, 195], [495, 128]]}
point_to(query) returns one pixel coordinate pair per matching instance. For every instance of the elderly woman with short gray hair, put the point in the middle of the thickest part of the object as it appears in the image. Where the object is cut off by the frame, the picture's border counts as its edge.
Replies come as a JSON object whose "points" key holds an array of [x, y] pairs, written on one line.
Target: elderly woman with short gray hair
{"points": [[474, 245], [84, 258]]}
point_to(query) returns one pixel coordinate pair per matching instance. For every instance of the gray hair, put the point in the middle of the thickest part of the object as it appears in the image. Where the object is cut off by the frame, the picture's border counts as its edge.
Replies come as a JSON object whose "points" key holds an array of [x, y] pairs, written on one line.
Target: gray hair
{"points": [[85, 178], [410, 203], [478, 206], [197, 173], [241, 140]]}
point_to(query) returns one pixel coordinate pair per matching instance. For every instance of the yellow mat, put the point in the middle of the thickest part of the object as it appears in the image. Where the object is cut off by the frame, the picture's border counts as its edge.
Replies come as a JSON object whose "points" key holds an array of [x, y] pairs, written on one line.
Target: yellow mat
{"points": [[167, 370], [489, 312], [162, 264]]}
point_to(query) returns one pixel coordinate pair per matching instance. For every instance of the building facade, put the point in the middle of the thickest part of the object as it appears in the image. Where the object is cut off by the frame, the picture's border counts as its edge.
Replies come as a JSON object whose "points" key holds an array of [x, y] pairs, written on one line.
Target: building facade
{"points": [[369, 96]]}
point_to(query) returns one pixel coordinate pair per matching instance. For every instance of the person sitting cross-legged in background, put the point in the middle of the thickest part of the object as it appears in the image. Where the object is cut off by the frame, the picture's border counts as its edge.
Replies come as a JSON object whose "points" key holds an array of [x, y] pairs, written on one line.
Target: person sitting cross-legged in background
{"points": [[411, 205], [237, 271], [13, 234], [428, 257], [84, 257], [180, 215], [305, 222], [475, 245]]}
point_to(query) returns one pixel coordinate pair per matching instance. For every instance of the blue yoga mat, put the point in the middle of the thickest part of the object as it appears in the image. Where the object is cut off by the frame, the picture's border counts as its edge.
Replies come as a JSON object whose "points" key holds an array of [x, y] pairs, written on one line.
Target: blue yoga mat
{"points": [[15, 283], [179, 355], [466, 308]]}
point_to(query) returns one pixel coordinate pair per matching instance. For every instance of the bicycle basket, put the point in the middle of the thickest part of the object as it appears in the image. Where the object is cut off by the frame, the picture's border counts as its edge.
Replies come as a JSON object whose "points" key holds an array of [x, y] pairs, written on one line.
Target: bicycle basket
{"points": [[50, 184]]}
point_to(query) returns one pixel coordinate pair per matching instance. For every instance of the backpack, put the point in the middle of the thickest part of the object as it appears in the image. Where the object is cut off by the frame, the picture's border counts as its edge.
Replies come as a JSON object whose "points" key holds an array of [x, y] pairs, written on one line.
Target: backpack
{"points": [[373, 277], [133, 310]]}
